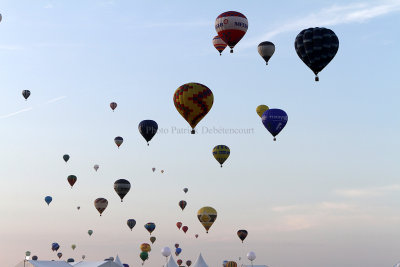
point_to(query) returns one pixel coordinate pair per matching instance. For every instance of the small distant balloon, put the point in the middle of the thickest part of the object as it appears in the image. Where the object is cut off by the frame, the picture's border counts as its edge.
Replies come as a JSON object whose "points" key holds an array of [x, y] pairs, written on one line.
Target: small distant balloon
{"points": [[152, 239], [113, 106], [83, 257], [59, 255], [118, 141], [261, 109], [162, 171], [251, 256], [153, 169], [188, 263], [72, 180], [219, 44], [231, 264], [150, 227], [26, 94], [48, 200], [90, 232], [182, 204], [179, 225], [131, 223], [148, 128], [78, 207], [27, 253], [242, 234], [178, 251], [166, 251], [55, 246], [221, 153], [185, 229], [185, 190], [144, 256], [179, 261], [122, 187], [207, 217], [145, 247], [196, 235], [66, 157], [100, 204], [176, 245], [96, 167], [73, 247], [266, 50]]}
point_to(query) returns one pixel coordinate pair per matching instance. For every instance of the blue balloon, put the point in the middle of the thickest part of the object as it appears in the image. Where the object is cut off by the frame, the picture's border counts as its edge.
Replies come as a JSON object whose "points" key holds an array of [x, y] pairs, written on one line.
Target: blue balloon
{"points": [[55, 246], [274, 120], [48, 199], [148, 128], [70, 260], [178, 251], [126, 265]]}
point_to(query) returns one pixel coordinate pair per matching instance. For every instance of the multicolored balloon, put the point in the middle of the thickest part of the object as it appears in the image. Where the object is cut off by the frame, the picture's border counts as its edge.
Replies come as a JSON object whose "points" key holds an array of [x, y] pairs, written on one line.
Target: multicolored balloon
{"points": [[26, 94], [131, 223], [148, 128], [274, 121], [193, 101], [101, 204], [231, 26], [219, 44], [122, 187], [66, 157], [242, 234], [179, 225], [261, 109], [118, 141], [266, 50], [182, 204], [145, 247], [316, 47], [185, 228], [48, 200], [113, 106], [72, 180], [221, 153], [207, 216], [150, 227], [231, 264]]}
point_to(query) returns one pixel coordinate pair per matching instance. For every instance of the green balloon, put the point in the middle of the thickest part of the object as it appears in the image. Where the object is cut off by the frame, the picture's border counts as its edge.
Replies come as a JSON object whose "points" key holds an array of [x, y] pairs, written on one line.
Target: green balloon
{"points": [[28, 253], [144, 256], [90, 232], [66, 157]]}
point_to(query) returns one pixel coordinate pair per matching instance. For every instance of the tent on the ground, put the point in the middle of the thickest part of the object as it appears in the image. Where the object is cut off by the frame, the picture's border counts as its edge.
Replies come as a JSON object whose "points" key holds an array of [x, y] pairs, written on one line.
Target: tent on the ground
{"points": [[200, 262], [171, 262], [32, 263]]}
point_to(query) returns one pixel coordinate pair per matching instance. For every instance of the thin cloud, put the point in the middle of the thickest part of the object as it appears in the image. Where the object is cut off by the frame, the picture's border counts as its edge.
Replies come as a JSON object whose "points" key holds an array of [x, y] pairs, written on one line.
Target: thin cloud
{"points": [[15, 113], [334, 15], [11, 47], [56, 99], [369, 192]]}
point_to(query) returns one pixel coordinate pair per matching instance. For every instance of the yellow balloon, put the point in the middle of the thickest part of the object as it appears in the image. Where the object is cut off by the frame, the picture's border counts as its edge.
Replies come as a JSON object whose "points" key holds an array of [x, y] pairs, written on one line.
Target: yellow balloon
{"points": [[145, 247], [207, 216], [193, 101], [261, 109], [221, 153]]}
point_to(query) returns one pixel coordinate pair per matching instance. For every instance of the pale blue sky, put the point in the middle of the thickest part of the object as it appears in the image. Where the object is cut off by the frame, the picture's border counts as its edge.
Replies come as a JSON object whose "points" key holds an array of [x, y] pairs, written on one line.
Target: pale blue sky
{"points": [[325, 194]]}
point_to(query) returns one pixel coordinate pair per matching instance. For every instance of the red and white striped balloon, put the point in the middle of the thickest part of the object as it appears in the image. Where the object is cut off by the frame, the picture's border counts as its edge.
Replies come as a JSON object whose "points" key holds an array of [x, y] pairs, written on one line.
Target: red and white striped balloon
{"points": [[219, 44], [231, 26]]}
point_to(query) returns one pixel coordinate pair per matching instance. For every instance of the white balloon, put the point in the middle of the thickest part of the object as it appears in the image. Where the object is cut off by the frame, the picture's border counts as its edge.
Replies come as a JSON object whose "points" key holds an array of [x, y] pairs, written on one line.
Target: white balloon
{"points": [[166, 251], [251, 256]]}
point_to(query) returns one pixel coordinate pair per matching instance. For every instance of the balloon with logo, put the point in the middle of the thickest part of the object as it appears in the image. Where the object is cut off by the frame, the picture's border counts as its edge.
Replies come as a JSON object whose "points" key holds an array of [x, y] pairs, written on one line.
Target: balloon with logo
{"points": [[113, 106], [66, 157], [316, 47], [193, 101], [221, 153], [145, 247], [148, 128], [26, 94], [118, 141], [144, 256], [179, 261], [219, 44], [96, 167], [224, 263], [179, 225], [150, 227], [131, 223], [48, 200], [231, 26], [72, 180], [100, 204], [182, 204], [59, 255], [207, 216], [185, 228], [242, 234], [122, 187], [261, 109], [274, 121], [266, 50], [152, 239]]}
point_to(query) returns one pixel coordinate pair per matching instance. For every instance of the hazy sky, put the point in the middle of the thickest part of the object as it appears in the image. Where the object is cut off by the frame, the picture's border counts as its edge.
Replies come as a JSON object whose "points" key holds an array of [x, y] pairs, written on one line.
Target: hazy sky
{"points": [[325, 194]]}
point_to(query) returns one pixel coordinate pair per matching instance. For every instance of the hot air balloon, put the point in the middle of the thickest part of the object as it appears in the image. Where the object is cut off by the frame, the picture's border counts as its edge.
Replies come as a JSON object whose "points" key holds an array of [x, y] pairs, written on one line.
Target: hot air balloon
{"points": [[26, 94], [251, 256], [96, 167], [274, 120], [150, 227], [153, 169], [224, 263], [242, 234], [179, 262], [176, 245], [131, 223], [188, 263], [182, 204], [266, 50], [125, 265], [231, 26], [118, 140], [231, 264], [27, 253], [162, 171], [113, 106], [166, 251], [145, 247], [316, 47], [122, 187], [1, 17], [221, 153], [101, 204], [48, 200], [78, 207], [179, 225], [66, 157], [148, 129], [196, 235], [219, 44], [83, 257], [178, 251], [55, 246], [72, 180], [193, 101], [185, 190], [261, 109], [70, 260], [152, 239], [59, 255], [185, 228], [90, 232], [207, 216], [73, 247], [144, 256]]}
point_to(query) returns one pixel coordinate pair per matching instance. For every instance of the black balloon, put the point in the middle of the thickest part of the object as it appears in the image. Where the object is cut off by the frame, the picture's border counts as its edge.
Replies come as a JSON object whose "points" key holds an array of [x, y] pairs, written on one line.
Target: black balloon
{"points": [[122, 187], [148, 128]]}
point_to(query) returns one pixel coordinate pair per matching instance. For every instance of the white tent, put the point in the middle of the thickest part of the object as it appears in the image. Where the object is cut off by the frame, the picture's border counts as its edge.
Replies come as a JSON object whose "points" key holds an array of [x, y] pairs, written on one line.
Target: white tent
{"points": [[200, 262], [31, 263], [171, 262], [118, 261], [97, 264]]}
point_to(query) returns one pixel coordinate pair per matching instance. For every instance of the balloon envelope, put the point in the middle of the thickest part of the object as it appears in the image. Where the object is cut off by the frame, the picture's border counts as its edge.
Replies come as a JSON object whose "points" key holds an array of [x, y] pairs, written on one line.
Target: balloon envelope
{"points": [[72, 180], [185, 190], [131, 223], [166, 251], [48, 199], [274, 120], [207, 216], [221, 153], [66, 157], [188, 263], [144, 256], [90, 232], [113, 105], [152, 239], [182, 204], [266, 50], [179, 225], [179, 262], [185, 228], [145, 247], [96, 167], [261, 109], [231, 264], [100, 204], [178, 251], [251, 256], [150, 227], [122, 187], [219, 44], [148, 128], [242, 234], [118, 141], [26, 94], [59, 255], [231, 26]]}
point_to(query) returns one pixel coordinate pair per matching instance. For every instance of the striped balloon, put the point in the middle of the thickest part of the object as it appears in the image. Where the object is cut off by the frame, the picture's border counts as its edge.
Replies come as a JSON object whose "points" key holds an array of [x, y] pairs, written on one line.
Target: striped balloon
{"points": [[182, 204], [193, 101], [207, 216], [316, 47], [118, 141], [231, 26], [122, 187], [100, 204], [221, 153], [231, 264], [219, 44]]}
